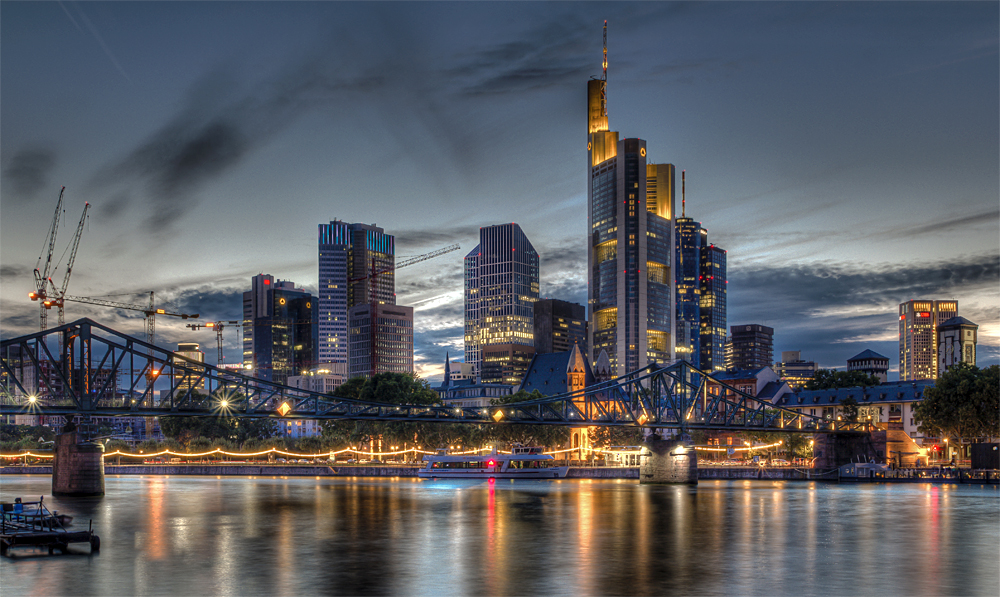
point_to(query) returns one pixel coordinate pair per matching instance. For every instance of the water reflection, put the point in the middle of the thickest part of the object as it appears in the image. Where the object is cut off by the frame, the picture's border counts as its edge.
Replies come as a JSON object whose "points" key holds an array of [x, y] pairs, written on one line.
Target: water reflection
{"points": [[196, 535]]}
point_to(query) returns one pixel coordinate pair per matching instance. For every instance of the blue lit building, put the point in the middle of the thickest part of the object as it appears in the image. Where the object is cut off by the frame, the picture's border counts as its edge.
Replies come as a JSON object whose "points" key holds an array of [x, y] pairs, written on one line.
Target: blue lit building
{"points": [[688, 276], [712, 307]]}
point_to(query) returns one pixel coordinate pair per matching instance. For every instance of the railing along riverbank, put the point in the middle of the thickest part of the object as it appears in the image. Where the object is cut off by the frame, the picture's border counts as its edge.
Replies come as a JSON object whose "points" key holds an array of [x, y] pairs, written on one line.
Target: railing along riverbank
{"points": [[924, 475]]}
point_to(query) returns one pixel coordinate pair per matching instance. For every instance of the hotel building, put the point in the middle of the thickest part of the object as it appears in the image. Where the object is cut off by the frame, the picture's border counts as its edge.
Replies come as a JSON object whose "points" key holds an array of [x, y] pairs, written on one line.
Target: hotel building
{"points": [[918, 340]]}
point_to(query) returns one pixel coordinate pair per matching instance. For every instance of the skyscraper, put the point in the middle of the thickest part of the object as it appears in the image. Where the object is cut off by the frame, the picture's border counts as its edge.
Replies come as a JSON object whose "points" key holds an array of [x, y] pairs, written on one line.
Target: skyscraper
{"points": [[501, 286], [712, 308], [752, 347], [392, 337], [688, 280], [631, 243], [355, 268], [918, 340], [559, 325], [279, 329]]}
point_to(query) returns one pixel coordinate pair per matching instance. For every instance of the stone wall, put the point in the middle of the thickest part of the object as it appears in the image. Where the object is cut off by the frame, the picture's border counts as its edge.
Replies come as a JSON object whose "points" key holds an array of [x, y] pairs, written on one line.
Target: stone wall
{"points": [[77, 469]]}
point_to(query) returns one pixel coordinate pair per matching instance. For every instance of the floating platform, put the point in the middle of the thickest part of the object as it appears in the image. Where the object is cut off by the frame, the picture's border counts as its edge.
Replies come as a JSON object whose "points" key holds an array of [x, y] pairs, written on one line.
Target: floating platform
{"points": [[30, 524]]}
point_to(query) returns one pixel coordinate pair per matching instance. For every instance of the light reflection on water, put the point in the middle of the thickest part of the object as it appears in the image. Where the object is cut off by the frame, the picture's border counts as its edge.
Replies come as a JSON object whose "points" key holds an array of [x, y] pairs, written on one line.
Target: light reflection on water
{"points": [[285, 536]]}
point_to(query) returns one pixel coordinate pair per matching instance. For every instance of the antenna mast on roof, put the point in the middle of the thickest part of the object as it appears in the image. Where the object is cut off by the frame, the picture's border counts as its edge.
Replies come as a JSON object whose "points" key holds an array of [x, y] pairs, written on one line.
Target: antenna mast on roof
{"points": [[683, 199], [604, 77]]}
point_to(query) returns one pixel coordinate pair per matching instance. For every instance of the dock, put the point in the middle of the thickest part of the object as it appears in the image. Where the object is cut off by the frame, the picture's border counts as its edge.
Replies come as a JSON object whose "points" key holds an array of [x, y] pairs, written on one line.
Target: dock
{"points": [[30, 524]]}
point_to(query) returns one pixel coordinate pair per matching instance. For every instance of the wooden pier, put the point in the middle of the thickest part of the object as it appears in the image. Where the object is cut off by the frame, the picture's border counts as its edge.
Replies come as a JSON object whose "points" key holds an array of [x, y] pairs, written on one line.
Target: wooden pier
{"points": [[30, 524]]}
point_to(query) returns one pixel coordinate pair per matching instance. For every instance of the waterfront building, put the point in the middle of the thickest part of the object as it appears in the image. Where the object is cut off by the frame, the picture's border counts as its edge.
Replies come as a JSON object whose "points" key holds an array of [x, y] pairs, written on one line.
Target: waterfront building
{"points": [[870, 362], [918, 342], [794, 370], [279, 329], [392, 339], [713, 285], [348, 255], [559, 325], [630, 245], [296, 428], [323, 379], [469, 392], [956, 343], [185, 380], [889, 405], [501, 286], [752, 346]]}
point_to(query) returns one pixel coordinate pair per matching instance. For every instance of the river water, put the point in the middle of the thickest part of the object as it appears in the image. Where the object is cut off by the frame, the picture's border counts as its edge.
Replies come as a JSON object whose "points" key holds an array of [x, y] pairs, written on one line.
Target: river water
{"points": [[179, 536]]}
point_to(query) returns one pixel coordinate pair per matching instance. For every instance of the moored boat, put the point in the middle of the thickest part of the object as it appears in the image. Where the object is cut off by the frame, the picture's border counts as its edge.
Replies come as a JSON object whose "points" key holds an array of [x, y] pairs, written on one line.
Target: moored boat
{"points": [[521, 463]]}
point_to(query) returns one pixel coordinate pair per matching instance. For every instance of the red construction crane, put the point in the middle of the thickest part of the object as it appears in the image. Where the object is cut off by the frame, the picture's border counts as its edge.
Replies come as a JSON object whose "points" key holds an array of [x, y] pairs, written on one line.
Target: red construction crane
{"points": [[218, 326], [372, 277]]}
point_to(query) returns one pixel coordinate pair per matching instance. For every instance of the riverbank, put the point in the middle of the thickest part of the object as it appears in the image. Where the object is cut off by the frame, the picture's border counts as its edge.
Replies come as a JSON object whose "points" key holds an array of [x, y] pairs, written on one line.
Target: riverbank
{"points": [[575, 472]]}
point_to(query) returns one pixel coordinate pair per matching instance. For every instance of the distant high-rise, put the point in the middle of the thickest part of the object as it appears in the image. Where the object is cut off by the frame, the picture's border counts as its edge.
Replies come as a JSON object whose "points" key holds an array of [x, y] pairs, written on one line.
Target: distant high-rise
{"points": [[794, 370], [559, 325], [688, 278], [279, 329], [501, 286], [630, 245], [356, 264], [752, 347], [956, 343], [713, 284], [185, 380], [918, 341], [393, 338]]}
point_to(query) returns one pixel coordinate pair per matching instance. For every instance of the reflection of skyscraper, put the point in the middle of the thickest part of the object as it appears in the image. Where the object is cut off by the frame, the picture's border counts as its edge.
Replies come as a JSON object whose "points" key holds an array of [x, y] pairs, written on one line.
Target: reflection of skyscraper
{"points": [[918, 341], [501, 286], [630, 248]]}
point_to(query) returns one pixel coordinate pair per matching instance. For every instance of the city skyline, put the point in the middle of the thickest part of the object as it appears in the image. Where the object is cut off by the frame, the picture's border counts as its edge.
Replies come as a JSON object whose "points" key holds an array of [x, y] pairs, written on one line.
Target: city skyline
{"points": [[844, 156]]}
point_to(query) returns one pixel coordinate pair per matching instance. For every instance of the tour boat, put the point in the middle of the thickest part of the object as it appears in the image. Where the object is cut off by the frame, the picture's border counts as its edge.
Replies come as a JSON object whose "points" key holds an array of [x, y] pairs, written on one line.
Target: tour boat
{"points": [[521, 463]]}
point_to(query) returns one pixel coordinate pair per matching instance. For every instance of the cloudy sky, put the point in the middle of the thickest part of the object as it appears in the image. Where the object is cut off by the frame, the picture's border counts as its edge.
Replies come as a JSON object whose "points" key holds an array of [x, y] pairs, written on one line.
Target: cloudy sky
{"points": [[845, 154]]}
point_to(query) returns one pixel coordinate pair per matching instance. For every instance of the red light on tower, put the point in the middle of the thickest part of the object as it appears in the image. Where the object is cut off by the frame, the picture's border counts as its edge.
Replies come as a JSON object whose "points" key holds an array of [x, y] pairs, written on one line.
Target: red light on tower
{"points": [[266, 282]]}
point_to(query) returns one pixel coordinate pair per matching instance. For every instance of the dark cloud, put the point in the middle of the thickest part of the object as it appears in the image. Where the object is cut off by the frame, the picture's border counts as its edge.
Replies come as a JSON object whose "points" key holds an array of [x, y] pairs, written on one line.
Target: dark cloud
{"points": [[990, 217], [14, 271], [28, 171], [210, 303]]}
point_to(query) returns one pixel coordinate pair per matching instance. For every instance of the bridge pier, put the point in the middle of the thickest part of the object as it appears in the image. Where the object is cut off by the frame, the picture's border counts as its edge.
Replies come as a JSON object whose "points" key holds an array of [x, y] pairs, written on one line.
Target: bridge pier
{"points": [[832, 450], [666, 461], [77, 469]]}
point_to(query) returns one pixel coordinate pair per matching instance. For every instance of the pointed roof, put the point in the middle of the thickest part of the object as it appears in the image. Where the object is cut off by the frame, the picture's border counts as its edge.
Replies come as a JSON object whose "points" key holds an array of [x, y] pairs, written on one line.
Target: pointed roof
{"points": [[868, 354], [447, 370], [957, 321], [547, 372]]}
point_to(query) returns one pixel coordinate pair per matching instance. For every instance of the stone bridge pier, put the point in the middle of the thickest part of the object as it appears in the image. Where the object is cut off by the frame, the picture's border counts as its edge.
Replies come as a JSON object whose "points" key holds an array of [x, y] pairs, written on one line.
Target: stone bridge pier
{"points": [[78, 468], [669, 461]]}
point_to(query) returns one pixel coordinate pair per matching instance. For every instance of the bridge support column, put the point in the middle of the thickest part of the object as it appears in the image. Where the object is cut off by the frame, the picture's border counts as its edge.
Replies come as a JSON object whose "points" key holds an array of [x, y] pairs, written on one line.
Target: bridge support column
{"points": [[832, 450], [77, 469], [669, 461]]}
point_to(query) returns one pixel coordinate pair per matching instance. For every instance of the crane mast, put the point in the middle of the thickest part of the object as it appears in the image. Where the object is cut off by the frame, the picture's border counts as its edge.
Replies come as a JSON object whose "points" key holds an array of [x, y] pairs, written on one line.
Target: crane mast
{"points": [[42, 277], [218, 326]]}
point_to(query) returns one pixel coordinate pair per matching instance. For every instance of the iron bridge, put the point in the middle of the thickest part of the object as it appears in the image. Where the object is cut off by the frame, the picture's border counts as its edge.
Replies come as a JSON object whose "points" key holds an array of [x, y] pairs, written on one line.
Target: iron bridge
{"points": [[85, 368]]}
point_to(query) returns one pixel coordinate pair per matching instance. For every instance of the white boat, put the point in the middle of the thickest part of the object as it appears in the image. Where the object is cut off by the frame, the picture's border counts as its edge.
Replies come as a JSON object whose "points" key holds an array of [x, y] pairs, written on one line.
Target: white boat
{"points": [[521, 463]]}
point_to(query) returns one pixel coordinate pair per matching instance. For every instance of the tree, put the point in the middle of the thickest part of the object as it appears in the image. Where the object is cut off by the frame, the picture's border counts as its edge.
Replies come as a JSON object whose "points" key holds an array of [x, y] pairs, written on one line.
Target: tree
{"points": [[849, 406], [963, 403], [826, 379]]}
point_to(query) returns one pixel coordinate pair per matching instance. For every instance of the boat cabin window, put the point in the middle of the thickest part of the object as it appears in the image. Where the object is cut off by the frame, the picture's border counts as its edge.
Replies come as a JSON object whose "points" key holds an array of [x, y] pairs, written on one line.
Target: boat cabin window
{"points": [[528, 464]]}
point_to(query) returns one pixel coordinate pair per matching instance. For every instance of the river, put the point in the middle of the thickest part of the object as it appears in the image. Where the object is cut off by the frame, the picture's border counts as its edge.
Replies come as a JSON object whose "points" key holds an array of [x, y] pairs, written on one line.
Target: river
{"points": [[181, 535]]}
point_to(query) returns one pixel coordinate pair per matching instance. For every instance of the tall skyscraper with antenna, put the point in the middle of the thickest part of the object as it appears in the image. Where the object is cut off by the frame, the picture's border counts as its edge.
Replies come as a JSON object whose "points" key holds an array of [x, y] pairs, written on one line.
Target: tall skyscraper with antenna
{"points": [[630, 254]]}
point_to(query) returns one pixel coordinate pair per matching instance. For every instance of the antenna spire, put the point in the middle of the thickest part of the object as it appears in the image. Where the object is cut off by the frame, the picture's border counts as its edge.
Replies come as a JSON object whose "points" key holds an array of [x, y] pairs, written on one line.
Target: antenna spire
{"points": [[604, 76], [683, 199]]}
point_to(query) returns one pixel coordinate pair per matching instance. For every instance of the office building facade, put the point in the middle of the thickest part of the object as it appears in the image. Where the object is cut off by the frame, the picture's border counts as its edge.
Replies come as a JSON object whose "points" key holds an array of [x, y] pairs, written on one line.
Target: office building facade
{"points": [[348, 256], [752, 347], [688, 235], [501, 286], [918, 340], [713, 284], [631, 244], [794, 370], [559, 325], [392, 339], [188, 378], [280, 324]]}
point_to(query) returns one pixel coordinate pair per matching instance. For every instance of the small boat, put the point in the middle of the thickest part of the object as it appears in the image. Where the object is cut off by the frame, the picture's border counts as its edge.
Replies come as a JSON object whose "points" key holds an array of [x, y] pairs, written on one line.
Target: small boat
{"points": [[30, 524], [521, 463]]}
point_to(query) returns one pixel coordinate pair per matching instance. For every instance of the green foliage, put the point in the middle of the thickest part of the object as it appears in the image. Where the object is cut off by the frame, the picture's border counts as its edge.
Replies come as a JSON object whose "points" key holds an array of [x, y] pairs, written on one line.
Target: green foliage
{"points": [[607, 436], [849, 407], [519, 396], [16, 433], [826, 379], [963, 403]]}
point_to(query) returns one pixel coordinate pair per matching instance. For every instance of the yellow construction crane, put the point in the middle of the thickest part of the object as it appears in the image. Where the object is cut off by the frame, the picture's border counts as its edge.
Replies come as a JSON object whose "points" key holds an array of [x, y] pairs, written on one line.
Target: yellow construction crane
{"points": [[150, 311], [218, 326]]}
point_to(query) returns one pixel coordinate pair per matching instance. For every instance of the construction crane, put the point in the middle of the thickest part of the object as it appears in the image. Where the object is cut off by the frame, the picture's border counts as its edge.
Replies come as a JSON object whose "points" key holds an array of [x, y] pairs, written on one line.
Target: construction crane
{"points": [[149, 311], [218, 326], [372, 277], [42, 276]]}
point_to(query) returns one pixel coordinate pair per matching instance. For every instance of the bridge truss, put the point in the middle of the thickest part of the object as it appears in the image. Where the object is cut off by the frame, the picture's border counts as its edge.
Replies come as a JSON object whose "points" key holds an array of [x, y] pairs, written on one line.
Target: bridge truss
{"points": [[85, 368]]}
